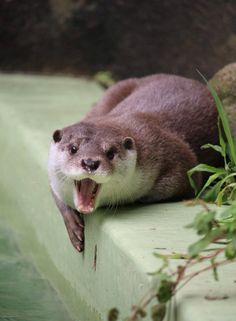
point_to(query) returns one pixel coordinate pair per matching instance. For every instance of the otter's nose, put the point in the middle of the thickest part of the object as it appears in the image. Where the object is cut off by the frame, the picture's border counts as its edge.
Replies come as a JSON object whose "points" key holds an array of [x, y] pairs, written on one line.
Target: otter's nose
{"points": [[89, 164]]}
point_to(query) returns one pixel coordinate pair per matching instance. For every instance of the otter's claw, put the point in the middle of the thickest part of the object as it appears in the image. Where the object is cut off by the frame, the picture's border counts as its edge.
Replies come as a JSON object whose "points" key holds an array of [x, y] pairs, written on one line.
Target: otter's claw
{"points": [[75, 227]]}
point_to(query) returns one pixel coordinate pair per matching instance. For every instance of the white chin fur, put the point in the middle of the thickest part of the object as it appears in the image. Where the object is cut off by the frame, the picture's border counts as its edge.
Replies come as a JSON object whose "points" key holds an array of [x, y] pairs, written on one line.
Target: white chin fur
{"points": [[79, 174]]}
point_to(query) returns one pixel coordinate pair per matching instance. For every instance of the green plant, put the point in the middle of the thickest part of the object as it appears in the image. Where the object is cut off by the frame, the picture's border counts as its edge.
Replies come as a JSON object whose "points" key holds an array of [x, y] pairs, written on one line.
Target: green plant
{"points": [[212, 224], [221, 184], [104, 78]]}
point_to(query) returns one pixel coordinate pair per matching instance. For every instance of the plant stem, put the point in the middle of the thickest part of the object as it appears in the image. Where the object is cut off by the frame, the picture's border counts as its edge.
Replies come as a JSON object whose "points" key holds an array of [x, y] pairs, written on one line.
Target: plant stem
{"points": [[194, 274], [143, 304]]}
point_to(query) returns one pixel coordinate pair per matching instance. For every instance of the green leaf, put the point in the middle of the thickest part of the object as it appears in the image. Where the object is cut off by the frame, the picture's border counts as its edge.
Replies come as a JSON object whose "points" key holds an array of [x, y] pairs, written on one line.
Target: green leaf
{"points": [[203, 168], [230, 251], [163, 276], [234, 239], [232, 196], [225, 193], [104, 78], [203, 222], [206, 168], [165, 291], [228, 213], [211, 194], [214, 193], [164, 257], [214, 269], [217, 148], [210, 180], [224, 120], [222, 141], [228, 177], [200, 245], [178, 256], [165, 260]]}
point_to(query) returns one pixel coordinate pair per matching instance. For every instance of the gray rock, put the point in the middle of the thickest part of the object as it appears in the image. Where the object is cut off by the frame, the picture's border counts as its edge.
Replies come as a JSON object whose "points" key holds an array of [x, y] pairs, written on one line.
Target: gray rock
{"points": [[224, 82]]}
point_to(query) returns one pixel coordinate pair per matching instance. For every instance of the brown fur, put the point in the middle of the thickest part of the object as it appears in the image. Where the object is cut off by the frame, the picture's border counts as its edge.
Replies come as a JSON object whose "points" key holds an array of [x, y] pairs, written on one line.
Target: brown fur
{"points": [[168, 118]]}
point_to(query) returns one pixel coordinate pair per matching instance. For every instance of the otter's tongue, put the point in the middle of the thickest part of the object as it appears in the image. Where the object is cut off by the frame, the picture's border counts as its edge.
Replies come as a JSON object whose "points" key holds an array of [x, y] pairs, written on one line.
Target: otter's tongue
{"points": [[86, 191]]}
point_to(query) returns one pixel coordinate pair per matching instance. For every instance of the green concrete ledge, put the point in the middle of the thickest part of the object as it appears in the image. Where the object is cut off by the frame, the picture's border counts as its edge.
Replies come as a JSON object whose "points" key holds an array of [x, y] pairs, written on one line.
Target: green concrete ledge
{"points": [[31, 107]]}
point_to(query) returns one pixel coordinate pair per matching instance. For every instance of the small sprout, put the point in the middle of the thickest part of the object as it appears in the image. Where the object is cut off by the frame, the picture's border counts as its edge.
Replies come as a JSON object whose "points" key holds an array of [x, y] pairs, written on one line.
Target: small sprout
{"points": [[158, 312], [165, 291], [104, 78], [113, 315], [139, 311], [165, 263], [178, 256], [214, 269]]}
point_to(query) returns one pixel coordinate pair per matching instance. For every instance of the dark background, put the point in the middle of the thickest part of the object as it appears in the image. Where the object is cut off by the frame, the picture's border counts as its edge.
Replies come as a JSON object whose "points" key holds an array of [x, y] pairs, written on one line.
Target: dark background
{"points": [[128, 38]]}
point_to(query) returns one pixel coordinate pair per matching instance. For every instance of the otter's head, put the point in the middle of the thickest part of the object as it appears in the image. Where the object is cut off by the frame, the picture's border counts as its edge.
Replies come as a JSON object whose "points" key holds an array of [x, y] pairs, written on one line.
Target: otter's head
{"points": [[89, 165]]}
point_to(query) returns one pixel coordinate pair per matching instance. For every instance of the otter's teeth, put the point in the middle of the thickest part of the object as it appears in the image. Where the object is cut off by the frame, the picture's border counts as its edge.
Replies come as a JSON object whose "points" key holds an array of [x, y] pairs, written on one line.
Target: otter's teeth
{"points": [[77, 185], [95, 189], [85, 195]]}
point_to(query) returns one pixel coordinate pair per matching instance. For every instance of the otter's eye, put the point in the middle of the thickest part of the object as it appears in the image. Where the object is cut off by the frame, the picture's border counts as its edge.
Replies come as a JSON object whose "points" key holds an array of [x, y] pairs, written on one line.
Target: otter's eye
{"points": [[111, 153], [73, 149]]}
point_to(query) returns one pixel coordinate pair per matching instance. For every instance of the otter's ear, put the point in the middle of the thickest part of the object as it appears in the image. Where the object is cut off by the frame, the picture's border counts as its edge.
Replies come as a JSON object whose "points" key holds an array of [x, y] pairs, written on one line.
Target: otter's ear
{"points": [[57, 136], [128, 143]]}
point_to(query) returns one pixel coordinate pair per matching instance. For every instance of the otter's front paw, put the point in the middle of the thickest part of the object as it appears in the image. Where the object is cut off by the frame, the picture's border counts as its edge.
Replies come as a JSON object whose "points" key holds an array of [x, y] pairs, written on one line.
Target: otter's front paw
{"points": [[75, 227]]}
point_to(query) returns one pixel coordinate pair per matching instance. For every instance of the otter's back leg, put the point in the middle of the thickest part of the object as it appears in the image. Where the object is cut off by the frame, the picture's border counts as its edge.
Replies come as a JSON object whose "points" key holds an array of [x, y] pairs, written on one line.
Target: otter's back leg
{"points": [[112, 97], [172, 181]]}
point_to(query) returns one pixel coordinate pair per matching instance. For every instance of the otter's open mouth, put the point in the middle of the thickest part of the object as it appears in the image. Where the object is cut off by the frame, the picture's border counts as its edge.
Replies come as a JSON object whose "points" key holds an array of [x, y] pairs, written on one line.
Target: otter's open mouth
{"points": [[85, 194]]}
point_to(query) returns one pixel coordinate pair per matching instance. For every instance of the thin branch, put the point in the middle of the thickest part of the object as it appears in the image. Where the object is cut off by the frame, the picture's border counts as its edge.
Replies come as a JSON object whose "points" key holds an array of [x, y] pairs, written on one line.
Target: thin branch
{"points": [[194, 274], [143, 304]]}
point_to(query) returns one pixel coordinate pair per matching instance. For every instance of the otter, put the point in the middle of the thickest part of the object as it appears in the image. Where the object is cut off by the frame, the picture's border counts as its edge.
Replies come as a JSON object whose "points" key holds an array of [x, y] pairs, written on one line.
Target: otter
{"points": [[135, 145]]}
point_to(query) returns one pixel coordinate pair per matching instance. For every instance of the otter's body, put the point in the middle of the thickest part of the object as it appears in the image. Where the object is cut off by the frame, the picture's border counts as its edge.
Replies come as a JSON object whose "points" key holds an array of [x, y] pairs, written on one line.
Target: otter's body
{"points": [[137, 143]]}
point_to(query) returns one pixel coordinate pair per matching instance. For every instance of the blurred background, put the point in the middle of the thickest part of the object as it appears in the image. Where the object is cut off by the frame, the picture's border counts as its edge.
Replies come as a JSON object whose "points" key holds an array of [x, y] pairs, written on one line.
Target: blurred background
{"points": [[126, 38]]}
